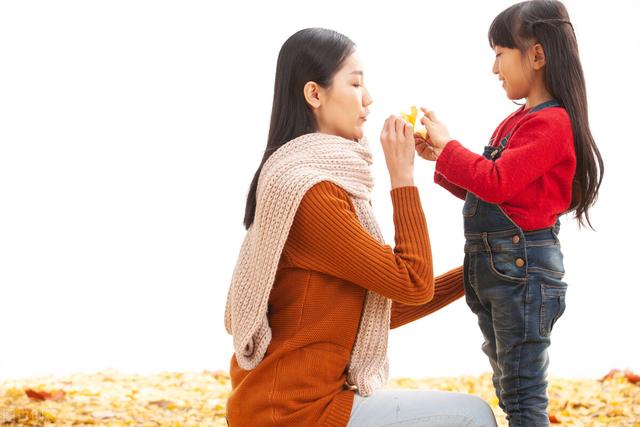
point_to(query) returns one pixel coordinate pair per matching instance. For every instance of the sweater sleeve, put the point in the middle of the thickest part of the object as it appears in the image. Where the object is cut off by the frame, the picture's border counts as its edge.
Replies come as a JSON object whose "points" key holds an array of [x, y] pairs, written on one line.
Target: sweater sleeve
{"points": [[539, 143], [326, 236], [459, 192], [448, 288]]}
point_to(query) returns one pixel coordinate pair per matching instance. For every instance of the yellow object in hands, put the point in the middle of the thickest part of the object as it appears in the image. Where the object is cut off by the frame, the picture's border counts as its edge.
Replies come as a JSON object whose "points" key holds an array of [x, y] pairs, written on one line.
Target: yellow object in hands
{"points": [[411, 118]]}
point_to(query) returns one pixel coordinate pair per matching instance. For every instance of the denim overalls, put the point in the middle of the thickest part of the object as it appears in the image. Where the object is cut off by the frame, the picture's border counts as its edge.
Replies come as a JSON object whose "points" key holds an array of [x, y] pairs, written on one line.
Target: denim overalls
{"points": [[513, 283]]}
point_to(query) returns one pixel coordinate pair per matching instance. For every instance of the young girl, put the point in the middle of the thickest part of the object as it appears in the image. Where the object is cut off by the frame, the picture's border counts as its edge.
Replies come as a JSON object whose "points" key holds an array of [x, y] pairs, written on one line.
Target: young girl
{"points": [[541, 162]]}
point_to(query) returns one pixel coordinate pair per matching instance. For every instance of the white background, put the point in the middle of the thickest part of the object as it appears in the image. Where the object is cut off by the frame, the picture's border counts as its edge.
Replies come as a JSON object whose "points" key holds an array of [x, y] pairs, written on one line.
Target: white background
{"points": [[130, 131]]}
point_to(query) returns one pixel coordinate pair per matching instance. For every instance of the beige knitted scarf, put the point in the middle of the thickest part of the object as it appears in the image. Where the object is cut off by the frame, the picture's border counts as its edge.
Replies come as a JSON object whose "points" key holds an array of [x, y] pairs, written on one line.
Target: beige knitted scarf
{"points": [[285, 178]]}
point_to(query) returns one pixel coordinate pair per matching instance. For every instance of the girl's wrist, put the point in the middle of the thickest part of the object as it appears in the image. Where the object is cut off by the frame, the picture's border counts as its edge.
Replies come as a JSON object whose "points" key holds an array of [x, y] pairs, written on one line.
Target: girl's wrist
{"points": [[438, 150]]}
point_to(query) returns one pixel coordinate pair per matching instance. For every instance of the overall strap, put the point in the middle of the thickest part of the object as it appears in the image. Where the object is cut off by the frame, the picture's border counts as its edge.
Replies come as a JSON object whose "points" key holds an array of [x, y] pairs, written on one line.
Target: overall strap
{"points": [[503, 141]]}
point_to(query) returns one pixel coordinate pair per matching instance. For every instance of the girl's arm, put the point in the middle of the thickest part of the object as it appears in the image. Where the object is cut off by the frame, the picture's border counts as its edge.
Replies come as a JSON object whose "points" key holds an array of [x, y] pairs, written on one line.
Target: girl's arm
{"points": [[448, 288], [459, 192], [326, 236], [540, 142]]}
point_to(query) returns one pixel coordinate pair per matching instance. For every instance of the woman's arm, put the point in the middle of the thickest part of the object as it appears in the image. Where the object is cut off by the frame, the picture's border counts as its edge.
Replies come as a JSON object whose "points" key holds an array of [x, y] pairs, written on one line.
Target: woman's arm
{"points": [[448, 288], [326, 236]]}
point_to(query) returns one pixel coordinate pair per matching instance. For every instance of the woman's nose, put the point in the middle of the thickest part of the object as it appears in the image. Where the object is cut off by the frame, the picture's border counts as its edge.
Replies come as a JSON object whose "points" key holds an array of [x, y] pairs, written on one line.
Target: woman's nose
{"points": [[366, 99]]}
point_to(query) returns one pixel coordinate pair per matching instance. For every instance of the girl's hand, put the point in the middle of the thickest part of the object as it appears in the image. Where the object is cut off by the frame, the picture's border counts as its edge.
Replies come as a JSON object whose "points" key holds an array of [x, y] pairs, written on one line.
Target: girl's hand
{"points": [[438, 135], [423, 148], [399, 151]]}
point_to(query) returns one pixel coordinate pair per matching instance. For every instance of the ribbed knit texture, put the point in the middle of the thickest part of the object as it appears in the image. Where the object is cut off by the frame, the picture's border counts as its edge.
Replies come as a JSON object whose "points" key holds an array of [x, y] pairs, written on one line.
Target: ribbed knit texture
{"points": [[285, 178], [328, 264]]}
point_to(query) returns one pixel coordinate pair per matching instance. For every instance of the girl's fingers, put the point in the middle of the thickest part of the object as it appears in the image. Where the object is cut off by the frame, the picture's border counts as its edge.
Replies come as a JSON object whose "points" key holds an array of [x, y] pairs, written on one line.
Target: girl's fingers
{"points": [[430, 114], [426, 121]]}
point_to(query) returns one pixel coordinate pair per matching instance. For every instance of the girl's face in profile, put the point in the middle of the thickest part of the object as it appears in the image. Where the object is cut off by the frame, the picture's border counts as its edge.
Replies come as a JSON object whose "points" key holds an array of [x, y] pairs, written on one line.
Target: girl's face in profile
{"points": [[508, 67], [342, 108]]}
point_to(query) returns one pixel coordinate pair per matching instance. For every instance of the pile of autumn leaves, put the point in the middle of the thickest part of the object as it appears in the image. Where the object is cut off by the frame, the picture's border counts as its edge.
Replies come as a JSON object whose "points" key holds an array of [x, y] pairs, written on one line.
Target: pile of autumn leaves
{"points": [[112, 398]]}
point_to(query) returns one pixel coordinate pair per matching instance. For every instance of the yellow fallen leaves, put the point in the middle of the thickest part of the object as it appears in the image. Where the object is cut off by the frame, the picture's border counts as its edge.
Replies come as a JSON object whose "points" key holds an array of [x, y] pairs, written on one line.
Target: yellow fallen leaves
{"points": [[111, 398], [612, 401]]}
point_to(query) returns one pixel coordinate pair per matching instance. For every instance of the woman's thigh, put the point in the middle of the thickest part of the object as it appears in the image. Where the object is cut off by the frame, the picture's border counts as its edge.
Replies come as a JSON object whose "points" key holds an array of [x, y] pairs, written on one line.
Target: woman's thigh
{"points": [[390, 407]]}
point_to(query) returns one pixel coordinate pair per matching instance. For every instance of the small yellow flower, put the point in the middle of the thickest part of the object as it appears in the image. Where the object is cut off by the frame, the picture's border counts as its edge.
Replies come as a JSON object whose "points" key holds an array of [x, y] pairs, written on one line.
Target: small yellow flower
{"points": [[411, 118]]}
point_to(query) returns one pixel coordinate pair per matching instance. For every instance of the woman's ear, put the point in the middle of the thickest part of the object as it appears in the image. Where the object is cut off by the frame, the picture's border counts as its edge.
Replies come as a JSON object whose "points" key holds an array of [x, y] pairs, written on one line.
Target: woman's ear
{"points": [[312, 94], [537, 56]]}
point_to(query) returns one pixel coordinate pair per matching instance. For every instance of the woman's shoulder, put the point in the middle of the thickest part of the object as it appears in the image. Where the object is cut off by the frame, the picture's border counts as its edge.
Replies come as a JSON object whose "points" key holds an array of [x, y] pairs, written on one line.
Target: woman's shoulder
{"points": [[325, 195], [323, 204]]}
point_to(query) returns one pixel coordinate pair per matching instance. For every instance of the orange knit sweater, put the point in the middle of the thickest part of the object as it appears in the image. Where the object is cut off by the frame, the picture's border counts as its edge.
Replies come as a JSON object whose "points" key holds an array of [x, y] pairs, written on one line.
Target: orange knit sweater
{"points": [[328, 263]]}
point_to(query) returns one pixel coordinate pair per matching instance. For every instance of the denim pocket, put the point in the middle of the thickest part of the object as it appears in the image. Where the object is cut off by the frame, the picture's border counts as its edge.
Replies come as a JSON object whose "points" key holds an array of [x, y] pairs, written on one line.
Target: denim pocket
{"points": [[546, 260], [503, 265], [470, 205], [553, 305]]}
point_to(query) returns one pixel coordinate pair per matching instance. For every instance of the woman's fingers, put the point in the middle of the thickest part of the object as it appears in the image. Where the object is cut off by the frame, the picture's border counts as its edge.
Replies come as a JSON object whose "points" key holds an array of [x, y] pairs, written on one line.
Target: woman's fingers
{"points": [[393, 128], [408, 132], [388, 131], [397, 130], [384, 134], [399, 126]]}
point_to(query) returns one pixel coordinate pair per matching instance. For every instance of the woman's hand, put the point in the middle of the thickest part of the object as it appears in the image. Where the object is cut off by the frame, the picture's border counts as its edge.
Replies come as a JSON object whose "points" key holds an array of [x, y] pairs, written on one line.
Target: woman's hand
{"points": [[399, 151], [437, 133]]}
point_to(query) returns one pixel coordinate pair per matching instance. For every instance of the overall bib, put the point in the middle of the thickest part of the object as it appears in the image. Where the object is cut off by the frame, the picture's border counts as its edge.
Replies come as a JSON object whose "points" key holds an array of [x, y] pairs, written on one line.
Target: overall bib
{"points": [[513, 283]]}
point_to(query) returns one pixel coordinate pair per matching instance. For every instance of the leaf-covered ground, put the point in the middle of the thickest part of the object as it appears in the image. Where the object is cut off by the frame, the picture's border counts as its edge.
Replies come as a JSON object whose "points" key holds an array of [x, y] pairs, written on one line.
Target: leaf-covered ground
{"points": [[112, 398]]}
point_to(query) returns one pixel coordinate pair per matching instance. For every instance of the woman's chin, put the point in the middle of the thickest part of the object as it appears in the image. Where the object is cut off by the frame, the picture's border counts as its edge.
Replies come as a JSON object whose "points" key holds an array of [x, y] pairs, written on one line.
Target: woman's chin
{"points": [[354, 135], [358, 134]]}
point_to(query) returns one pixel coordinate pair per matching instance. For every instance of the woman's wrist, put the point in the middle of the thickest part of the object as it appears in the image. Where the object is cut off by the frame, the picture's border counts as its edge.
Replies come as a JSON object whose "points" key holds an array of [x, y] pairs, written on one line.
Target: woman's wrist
{"points": [[402, 181]]}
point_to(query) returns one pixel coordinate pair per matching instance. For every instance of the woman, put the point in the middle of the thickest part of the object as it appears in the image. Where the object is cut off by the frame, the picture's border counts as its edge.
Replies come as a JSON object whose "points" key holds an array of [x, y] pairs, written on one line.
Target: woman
{"points": [[315, 289]]}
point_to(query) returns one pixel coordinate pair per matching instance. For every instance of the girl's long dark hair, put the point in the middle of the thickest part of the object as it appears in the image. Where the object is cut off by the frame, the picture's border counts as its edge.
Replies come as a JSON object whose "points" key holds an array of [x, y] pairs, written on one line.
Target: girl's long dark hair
{"points": [[312, 54], [547, 22]]}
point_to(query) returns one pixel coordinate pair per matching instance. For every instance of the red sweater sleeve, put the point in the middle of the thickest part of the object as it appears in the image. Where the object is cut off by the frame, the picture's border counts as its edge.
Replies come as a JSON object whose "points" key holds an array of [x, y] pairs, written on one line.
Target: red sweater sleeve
{"points": [[538, 143], [448, 288], [330, 239], [452, 188]]}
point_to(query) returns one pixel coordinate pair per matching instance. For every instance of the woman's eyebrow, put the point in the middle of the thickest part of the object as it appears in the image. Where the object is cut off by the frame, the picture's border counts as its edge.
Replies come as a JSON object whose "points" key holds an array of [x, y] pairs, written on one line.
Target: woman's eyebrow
{"points": [[357, 72]]}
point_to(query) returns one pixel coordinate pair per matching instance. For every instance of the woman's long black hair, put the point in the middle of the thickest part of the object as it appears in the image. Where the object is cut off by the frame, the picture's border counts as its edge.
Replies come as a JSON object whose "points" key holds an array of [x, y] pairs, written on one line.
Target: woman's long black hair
{"points": [[312, 54], [547, 22]]}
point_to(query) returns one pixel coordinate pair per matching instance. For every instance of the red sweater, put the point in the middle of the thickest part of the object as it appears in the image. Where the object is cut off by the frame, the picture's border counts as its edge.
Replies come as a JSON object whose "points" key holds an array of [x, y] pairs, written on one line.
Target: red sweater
{"points": [[532, 179]]}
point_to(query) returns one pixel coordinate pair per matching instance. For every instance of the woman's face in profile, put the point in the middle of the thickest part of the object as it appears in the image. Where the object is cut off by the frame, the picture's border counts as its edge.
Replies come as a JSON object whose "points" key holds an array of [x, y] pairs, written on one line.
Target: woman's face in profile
{"points": [[343, 106]]}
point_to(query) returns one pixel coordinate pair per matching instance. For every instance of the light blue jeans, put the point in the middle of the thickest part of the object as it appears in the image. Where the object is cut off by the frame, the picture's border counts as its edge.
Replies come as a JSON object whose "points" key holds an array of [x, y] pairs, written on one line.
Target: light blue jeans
{"points": [[420, 408]]}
